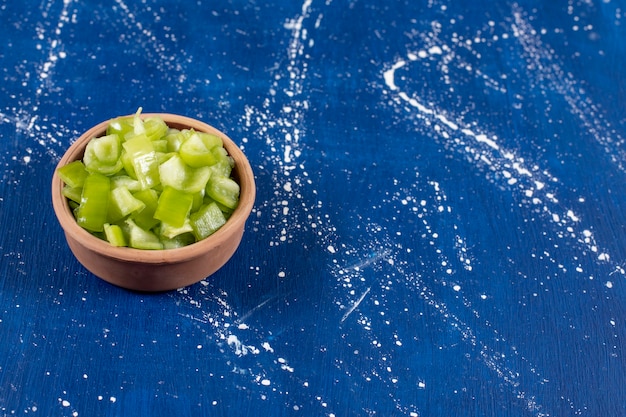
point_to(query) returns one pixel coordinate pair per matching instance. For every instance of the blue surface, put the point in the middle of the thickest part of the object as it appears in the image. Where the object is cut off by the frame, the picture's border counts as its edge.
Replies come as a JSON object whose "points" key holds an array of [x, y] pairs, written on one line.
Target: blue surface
{"points": [[439, 227]]}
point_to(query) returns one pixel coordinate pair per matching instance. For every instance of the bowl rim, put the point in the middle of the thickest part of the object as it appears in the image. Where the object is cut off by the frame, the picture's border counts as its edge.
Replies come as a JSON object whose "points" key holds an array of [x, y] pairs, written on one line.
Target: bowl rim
{"points": [[236, 221]]}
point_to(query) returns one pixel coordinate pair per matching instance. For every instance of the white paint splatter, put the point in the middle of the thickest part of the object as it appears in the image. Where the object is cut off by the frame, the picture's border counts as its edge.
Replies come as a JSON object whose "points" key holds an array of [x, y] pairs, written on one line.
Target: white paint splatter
{"points": [[355, 305], [528, 179]]}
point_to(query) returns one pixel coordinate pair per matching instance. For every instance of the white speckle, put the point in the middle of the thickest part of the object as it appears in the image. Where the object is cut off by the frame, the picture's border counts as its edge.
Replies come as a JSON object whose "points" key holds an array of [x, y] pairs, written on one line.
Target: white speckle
{"points": [[281, 274], [199, 347], [457, 287], [240, 348], [572, 216], [609, 284], [331, 249], [421, 384], [287, 154], [112, 399], [603, 257], [265, 382], [65, 403], [435, 50], [484, 139]]}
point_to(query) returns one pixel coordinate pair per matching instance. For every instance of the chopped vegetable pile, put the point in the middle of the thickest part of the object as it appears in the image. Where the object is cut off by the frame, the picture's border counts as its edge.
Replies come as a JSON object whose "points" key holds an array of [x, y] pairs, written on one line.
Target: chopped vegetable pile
{"points": [[148, 186]]}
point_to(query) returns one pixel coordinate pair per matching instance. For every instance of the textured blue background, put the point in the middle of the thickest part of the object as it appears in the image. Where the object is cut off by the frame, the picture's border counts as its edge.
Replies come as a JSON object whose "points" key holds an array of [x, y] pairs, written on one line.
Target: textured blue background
{"points": [[439, 227]]}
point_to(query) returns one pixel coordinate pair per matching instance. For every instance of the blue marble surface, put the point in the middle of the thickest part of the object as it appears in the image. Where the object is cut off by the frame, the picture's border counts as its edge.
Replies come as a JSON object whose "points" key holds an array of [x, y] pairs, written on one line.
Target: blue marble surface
{"points": [[439, 227]]}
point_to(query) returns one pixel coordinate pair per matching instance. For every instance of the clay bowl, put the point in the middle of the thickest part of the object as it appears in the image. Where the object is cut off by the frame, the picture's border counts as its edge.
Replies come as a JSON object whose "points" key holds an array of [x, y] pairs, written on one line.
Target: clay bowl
{"points": [[157, 270]]}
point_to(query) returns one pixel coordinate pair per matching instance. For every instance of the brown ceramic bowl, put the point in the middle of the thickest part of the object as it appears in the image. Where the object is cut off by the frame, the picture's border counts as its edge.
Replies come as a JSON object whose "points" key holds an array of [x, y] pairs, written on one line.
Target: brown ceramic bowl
{"points": [[157, 270]]}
